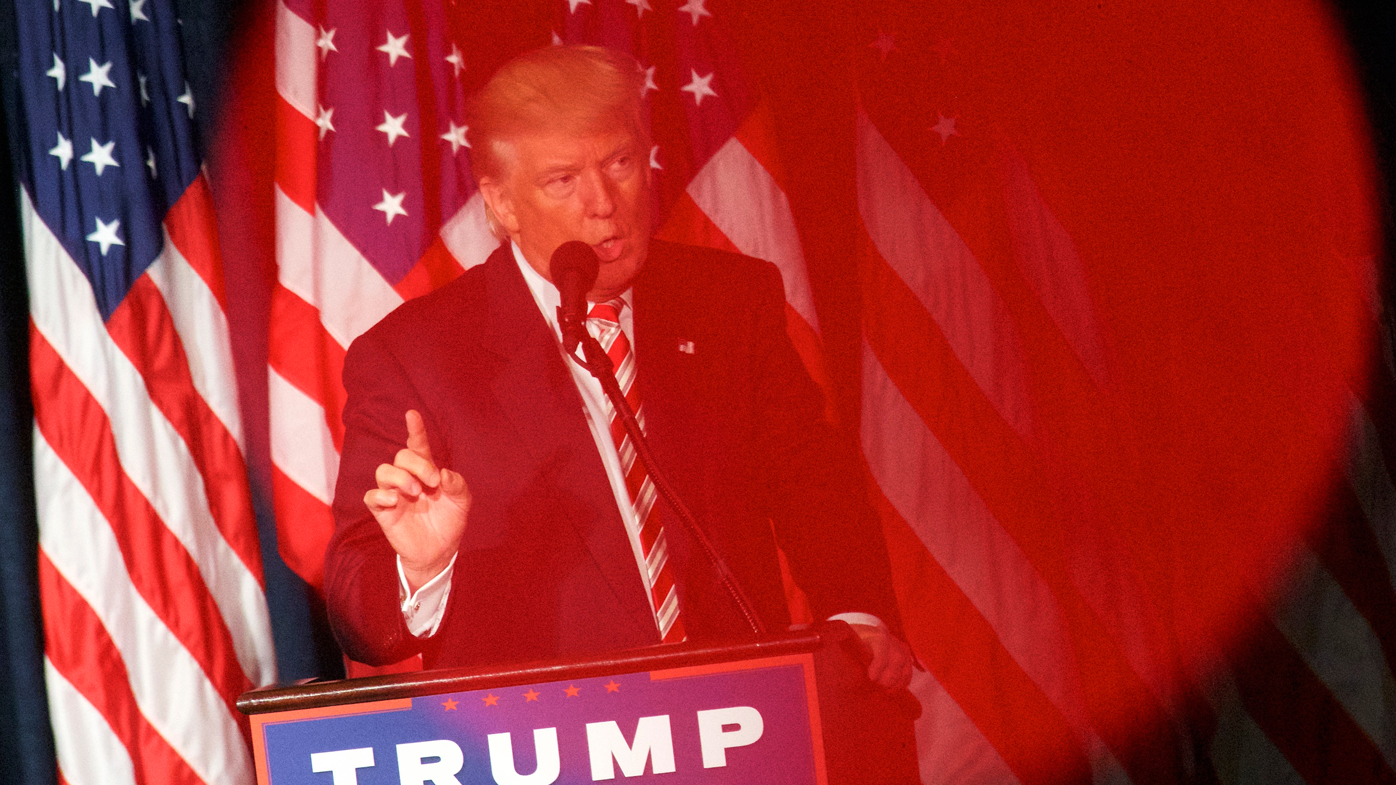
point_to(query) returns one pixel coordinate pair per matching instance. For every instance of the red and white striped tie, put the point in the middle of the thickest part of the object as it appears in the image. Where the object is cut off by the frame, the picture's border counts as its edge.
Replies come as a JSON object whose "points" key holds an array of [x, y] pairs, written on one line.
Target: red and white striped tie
{"points": [[606, 319]]}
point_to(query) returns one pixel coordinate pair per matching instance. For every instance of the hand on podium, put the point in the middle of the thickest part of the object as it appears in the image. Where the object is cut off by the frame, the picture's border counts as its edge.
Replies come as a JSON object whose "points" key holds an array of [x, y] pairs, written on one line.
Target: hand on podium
{"points": [[889, 660], [422, 508]]}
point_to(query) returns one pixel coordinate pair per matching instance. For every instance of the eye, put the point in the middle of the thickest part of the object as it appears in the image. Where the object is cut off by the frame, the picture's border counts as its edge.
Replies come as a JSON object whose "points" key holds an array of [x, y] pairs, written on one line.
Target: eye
{"points": [[622, 165], [560, 185]]}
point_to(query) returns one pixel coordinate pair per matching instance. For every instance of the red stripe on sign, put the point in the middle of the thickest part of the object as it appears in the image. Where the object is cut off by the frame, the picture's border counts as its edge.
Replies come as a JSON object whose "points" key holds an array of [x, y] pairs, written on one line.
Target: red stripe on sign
{"points": [[297, 144], [966, 656], [305, 354], [81, 649], [1007, 476], [1349, 549], [1303, 719], [303, 528], [160, 568], [194, 232], [435, 269], [142, 327]]}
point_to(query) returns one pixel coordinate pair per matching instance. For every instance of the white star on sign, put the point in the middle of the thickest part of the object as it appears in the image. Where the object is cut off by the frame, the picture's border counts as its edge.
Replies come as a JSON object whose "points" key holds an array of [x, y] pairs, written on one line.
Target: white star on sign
{"points": [[63, 151], [884, 44], [572, 5], [395, 48], [97, 76], [325, 42], [145, 91], [105, 236], [700, 86], [391, 206], [641, 6], [456, 136], [454, 58], [58, 71], [138, 11], [654, 158], [649, 83], [945, 126], [150, 162], [98, 5], [100, 156], [392, 126], [695, 9], [187, 98], [324, 118]]}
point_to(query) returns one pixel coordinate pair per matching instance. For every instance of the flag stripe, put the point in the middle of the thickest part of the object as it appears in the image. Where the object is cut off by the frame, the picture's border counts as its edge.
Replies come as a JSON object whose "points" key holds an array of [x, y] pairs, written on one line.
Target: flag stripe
{"points": [[1240, 752], [1348, 548], [301, 444], [436, 268], [296, 64], [85, 657], [297, 144], [1336, 643], [78, 434], [1368, 473], [929, 257], [144, 330], [467, 233], [306, 526], [172, 690], [190, 226], [88, 752], [307, 357], [153, 456], [1301, 717]]}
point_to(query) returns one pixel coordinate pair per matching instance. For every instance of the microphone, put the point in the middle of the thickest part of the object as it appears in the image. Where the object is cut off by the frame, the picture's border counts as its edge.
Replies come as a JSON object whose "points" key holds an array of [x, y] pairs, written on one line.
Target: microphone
{"points": [[574, 266]]}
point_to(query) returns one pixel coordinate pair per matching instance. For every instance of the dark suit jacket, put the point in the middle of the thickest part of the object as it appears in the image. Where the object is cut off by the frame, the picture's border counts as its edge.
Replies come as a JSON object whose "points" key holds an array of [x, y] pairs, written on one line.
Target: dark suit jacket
{"points": [[545, 569]]}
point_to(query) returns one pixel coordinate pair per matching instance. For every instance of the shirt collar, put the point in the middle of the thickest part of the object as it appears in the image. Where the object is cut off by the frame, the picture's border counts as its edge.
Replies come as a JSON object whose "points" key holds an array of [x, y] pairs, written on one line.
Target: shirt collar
{"points": [[545, 294]]}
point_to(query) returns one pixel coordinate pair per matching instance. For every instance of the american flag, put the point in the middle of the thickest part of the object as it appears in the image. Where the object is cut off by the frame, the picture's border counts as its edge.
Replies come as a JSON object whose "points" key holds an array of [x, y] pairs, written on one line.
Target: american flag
{"points": [[150, 572]]}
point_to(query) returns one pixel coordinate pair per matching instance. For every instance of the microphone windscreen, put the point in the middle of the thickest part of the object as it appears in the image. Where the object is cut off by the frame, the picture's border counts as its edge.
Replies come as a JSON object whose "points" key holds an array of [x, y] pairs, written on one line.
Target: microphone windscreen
{"points": [[574, 258]]}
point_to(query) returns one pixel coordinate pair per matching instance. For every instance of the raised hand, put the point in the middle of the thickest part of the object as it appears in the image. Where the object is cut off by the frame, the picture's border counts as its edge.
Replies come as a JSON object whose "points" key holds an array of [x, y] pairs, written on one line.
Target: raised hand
{"points": [[422, 508]]}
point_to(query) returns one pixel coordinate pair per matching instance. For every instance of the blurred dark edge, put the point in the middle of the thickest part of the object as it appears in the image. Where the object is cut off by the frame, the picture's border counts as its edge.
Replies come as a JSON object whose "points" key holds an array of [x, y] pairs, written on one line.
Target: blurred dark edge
{"points": [[303, 646]]}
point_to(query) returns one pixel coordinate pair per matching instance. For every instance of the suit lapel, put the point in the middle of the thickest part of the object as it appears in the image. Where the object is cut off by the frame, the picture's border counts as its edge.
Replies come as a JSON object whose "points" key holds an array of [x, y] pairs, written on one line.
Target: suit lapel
{"points": [[535, 390]]}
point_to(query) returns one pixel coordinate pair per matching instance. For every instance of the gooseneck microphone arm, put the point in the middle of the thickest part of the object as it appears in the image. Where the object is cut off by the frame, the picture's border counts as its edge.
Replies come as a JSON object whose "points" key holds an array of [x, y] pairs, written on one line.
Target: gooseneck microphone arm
{"points": [[599, 364], [574, 267]]}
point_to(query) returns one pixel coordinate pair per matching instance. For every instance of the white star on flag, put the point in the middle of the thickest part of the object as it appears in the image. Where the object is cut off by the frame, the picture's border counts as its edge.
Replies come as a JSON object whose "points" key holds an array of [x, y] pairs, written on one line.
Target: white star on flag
{"points": [[63, 151], [325, 42], [700, 86], [641, 6], [324, 119], [187, 98], [98, 5], [150, 162], [456, 136], [138, 11], [649, 83], [394, 47], [145, 92], [572, 5], [695, 9], [58, 71], [105, 236], [945, 126], [456, 60], [392, 126], [391, 206], [100, 156], [97, 76]]}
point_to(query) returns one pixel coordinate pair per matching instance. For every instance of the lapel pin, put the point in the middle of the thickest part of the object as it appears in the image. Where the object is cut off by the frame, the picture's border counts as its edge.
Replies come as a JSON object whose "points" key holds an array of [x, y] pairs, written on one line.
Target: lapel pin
{"points": [[686, 347]]}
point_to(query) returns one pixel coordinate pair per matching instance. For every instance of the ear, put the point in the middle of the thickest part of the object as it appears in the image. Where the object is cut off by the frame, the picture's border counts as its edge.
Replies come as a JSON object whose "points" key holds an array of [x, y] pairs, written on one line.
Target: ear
{"points": [[500, 203]]}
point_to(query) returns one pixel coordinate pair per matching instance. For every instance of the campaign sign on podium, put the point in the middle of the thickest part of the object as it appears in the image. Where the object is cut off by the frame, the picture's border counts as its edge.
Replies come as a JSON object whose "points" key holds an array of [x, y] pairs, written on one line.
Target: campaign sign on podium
{"points": [[743, 722]]}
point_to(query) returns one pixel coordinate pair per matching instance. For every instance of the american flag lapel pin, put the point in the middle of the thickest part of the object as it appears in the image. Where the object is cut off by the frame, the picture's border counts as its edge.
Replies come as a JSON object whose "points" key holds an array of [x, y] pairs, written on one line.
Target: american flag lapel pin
{"points": [[686, 347]]}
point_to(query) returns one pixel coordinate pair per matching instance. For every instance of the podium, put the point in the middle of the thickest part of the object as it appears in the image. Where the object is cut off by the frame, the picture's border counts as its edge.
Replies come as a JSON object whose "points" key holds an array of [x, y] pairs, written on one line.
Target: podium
{"points": [[788, 709]]}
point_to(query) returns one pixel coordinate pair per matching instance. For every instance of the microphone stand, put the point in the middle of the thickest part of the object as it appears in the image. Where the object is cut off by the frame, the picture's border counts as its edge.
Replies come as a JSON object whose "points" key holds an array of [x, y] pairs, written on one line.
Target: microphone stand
{"points": [[599, 364]]}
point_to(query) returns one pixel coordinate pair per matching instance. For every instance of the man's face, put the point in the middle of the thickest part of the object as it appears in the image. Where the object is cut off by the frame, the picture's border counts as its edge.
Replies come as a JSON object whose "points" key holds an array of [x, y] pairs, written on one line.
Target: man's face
{"points": [[592, 187]]}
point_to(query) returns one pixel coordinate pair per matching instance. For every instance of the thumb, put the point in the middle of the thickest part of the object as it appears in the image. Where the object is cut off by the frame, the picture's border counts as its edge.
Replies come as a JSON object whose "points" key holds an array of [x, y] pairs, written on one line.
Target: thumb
{"points": [[453, 485]]}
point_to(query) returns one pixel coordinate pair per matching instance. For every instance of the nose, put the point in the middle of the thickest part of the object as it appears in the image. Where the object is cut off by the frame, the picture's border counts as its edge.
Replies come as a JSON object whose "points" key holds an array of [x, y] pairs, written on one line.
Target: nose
{"points": [[598, 193]]}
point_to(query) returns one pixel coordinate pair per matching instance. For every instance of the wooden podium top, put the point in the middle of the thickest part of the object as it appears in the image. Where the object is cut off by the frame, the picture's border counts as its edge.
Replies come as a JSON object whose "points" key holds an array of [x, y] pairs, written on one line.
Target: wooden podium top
{"points": [[316, 694]]}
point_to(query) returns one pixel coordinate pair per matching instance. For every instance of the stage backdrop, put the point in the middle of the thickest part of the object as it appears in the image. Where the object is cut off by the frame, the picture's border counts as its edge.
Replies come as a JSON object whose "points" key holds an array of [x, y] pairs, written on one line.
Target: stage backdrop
{"points": [[1092, 287]]}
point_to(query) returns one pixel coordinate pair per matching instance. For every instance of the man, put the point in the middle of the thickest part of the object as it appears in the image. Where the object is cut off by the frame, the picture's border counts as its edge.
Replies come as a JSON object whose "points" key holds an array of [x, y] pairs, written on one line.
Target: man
{"points": [[487, 508]]}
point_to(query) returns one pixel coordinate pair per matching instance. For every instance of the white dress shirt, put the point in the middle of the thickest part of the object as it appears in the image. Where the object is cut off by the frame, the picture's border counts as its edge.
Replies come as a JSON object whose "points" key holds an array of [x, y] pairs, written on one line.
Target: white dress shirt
{"points": [[425, 608]]}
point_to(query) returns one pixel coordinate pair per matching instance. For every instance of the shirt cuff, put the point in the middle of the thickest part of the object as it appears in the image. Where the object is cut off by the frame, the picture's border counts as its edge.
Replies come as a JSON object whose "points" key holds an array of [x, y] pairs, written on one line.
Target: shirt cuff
{"points": [[859, 618], [424, 609]]}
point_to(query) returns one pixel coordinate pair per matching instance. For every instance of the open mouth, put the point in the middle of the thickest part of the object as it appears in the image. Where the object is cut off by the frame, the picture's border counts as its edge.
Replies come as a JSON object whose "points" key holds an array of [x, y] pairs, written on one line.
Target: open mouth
{"points": [[610, 249]]}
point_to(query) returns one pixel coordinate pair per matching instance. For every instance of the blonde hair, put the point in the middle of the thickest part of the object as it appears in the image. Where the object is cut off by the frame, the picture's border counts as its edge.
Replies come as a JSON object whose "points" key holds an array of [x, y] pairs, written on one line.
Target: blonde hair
{"points": [[567, 88]]}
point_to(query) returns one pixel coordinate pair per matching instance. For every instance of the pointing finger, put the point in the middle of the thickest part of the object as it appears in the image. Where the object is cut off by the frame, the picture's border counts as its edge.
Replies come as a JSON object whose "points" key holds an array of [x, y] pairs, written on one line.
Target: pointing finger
{"points": [[417, 434]]}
